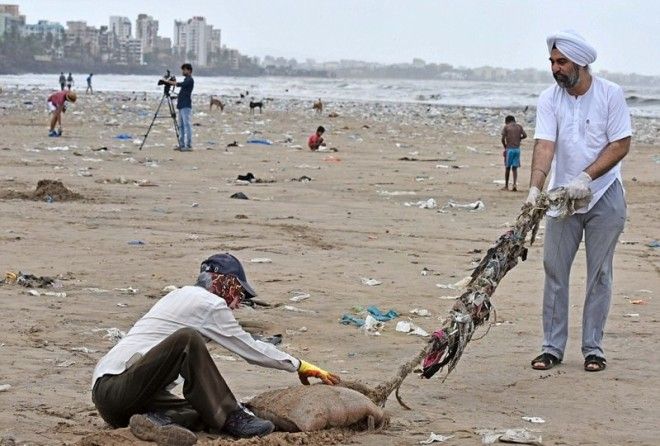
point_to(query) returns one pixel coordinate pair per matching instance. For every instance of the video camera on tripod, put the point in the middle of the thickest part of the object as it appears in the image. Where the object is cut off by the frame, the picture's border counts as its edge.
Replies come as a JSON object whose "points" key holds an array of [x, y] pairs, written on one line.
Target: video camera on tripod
{"points": [[168, 77], [168, 91]]}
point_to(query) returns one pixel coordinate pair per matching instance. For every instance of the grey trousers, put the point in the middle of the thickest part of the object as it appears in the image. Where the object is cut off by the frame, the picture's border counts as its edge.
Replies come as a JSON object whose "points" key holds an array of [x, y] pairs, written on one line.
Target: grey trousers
{"points": [[601, 226], [142, 387]]}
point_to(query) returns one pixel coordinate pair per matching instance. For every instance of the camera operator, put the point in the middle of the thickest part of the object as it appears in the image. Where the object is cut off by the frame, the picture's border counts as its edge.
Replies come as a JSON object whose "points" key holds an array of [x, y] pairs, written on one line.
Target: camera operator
{"points": [[184, 105]]}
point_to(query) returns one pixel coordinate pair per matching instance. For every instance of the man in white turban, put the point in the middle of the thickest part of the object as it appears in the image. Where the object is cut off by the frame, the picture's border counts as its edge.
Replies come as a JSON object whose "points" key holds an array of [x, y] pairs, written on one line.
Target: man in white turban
{"points": [[583, 132]]}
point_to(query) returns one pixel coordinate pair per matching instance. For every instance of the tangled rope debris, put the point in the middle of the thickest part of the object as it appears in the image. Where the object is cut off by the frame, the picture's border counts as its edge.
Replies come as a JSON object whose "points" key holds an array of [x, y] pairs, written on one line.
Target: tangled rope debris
{"points": [[473, 308]]}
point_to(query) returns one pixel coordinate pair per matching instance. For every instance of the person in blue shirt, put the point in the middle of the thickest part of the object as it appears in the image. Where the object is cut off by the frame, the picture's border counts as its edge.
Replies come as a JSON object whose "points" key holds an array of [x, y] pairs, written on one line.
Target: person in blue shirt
{"points": [[184, 105]]}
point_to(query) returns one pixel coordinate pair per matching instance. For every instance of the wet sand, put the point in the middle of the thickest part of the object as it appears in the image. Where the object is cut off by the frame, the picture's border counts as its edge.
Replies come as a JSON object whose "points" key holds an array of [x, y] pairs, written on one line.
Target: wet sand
{"points": [[323, 236]]}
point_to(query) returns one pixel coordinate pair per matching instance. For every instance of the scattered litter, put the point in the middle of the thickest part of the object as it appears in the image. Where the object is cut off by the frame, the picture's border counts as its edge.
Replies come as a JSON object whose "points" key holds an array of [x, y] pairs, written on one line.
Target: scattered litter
{"points": [[499, 182], [372, 326], [266, 142], [520, 436], [83, 350], [638, 302], [424, 204], [297, 310], [46, 293], [299, 297], [377, 314], [436, 437], [58, 149], [396, 193], [448, 297], [113, 333], [239, 196], [122, 305], [31, 281], [170, 288], [474, 206], [261, 260], [124, 136], [654, 244], [5, 387], [409, 327], [370, 282], [136, 242], [129, 290], [67, 363], [302, 179], [420, 312], [537, 420], [348, 319], [455, 286], [631, 315]]}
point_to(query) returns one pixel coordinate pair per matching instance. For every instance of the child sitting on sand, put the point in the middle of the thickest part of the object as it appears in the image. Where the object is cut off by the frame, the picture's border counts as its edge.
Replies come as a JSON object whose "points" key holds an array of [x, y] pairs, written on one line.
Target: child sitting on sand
{"points": [[316, 140]]}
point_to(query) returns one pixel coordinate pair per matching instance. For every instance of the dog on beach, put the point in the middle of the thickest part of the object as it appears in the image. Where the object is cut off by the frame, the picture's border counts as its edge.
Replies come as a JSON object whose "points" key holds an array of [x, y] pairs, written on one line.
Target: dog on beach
{"points": [[318, 106], [254, 105], [218, 104]]}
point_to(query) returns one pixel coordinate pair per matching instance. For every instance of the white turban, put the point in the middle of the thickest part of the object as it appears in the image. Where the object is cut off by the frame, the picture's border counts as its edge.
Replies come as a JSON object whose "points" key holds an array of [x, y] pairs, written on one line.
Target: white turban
{"points": [[573, 46]]}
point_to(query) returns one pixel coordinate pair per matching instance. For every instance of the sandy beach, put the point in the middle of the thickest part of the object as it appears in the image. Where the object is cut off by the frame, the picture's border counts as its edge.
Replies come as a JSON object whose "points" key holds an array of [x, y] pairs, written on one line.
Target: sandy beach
{"points": [[322, 237]]}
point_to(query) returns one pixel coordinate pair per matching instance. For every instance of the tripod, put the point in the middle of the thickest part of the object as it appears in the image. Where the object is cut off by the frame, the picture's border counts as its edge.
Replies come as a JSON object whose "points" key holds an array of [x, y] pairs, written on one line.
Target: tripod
{"points": [[169, 98]]}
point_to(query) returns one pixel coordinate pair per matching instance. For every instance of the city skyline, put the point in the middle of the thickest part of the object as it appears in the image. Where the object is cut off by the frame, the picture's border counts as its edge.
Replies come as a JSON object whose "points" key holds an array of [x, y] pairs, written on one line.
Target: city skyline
{"points": [[473, 34]]}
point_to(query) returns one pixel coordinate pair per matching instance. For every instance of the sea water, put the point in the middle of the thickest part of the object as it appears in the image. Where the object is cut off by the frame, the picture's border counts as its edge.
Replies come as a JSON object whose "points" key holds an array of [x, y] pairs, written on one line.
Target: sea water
{"points": [[643, 101]]}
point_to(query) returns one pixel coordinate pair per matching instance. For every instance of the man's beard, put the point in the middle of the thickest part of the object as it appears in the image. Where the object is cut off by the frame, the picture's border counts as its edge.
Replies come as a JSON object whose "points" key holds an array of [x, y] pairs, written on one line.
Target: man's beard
{"points": [[568, 81]]}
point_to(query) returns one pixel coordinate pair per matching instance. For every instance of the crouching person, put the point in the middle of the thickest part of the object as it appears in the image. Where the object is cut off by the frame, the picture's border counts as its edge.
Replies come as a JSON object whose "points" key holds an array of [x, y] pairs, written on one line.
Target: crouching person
{"points": [[131, 382]]}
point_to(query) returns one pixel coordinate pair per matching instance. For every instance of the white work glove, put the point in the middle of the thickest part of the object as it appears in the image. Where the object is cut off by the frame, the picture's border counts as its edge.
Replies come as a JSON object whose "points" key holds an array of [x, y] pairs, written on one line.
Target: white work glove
{"points": [[533, 195], [578, 188]]}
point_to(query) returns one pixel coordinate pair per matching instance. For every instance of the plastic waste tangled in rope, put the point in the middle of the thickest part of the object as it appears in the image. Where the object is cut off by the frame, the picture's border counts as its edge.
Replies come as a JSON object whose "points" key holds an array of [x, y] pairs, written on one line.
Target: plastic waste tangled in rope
{"points": [[473, 308]]}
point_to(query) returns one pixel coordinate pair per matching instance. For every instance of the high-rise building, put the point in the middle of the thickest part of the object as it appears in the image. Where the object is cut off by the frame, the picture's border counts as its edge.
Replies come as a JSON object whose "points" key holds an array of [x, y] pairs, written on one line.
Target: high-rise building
{"points": [[11, 21], [43, 27], [192, 40], [121, 27], [146, 30]]}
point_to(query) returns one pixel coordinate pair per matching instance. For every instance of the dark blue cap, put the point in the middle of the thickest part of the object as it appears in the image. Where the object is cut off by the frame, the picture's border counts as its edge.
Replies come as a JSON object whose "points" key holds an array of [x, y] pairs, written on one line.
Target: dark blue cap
{"points": [[228, 264]]}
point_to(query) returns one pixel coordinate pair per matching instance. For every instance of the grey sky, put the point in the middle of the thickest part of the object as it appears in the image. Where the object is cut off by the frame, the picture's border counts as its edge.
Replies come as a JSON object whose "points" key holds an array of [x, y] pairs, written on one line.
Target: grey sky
{"points": [[471, 33]]}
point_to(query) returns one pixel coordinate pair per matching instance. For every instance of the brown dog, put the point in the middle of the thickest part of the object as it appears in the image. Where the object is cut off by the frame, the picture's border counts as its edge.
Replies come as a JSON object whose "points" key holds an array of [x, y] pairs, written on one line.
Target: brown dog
{"points": [[318, 106], [218, 104]]}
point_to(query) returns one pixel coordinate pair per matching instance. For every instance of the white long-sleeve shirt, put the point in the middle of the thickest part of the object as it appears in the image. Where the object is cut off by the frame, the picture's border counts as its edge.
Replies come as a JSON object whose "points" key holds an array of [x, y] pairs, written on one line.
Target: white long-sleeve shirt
{"points": [[194, 307]]}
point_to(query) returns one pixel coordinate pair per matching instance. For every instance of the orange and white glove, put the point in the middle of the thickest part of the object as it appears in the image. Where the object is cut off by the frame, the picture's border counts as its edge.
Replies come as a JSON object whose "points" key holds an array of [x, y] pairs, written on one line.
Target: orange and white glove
{"points": [[307, 370]]}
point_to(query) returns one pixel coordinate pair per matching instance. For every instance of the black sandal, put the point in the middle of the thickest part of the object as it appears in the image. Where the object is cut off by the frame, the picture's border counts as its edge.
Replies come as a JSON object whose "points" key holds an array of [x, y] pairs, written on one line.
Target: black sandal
{"points": [[548, 361], [593, 360]]}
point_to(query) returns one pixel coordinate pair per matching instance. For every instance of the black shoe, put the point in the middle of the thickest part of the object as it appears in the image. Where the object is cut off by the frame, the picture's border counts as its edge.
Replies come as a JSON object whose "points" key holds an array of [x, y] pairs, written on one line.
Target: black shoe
{"points": [[245, 425], [159, 428]]}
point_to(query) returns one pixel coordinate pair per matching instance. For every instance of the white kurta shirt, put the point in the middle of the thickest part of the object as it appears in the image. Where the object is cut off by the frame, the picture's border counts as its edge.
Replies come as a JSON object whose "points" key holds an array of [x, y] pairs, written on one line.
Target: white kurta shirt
{"points": [[581, 127], [194, 307]]}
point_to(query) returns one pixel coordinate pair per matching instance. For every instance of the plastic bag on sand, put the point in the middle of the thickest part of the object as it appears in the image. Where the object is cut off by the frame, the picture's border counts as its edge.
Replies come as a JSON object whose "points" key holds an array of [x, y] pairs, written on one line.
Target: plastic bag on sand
{"points": [[370, 282], [474, 206], [436, 437], [409, 327], [372, 326], [518, 436]]}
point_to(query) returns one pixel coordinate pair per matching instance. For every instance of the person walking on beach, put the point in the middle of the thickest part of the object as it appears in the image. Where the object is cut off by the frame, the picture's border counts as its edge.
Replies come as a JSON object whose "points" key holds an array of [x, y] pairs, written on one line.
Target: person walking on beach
{"points": [[62, 80], [89, 84], [69, 81], [315, 140], [512, 134], [56, 106], [184, 105], [583, 131], [131, 382]]}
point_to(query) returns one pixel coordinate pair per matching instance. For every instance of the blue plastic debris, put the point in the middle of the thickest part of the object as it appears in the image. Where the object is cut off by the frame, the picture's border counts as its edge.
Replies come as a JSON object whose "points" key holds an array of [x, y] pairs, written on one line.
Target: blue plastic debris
{"points": [[266, 142], [380, 316]]}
